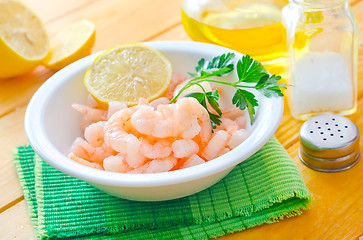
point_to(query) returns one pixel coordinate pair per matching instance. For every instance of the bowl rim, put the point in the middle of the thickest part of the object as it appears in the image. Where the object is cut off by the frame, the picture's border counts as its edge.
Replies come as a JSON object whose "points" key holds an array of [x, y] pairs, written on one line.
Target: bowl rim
{"points": [[37, 137]]}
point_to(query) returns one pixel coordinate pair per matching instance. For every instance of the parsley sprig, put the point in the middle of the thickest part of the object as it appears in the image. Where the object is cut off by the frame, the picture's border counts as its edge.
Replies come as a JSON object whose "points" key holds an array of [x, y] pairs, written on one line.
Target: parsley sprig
{"points": [[251, 74]]}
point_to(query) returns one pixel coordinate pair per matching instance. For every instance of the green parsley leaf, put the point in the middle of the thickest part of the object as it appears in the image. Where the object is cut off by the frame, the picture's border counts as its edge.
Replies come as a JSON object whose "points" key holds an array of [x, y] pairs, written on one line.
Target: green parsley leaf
{"points": [[269, 86], [244, 99], [200, 96], [212, 98], [214, 119], [219, 66], [249, 70]]}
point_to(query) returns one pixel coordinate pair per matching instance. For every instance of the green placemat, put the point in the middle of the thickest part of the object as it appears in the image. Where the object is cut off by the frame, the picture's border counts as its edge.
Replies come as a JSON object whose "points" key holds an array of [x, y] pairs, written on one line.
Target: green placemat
{"points": [[263, 189]]}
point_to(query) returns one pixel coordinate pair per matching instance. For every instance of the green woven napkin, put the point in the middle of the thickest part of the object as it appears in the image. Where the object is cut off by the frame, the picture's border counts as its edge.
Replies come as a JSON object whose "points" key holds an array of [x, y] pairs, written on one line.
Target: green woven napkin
{"points": [[263, 189]]}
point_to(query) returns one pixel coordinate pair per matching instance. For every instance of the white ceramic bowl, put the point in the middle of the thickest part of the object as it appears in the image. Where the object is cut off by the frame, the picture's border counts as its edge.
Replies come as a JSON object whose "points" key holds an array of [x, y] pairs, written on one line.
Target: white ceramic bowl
{"points": [[51, 126]]}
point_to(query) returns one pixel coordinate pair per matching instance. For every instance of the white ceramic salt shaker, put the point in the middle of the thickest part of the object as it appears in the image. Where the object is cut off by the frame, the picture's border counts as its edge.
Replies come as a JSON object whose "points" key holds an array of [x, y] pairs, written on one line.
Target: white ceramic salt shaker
{"points": [[322, 66]]}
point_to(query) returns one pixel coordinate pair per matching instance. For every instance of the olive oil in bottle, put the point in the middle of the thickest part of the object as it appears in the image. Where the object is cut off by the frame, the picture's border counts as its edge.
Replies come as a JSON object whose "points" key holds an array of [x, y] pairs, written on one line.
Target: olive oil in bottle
{"points": [[249, 27]]}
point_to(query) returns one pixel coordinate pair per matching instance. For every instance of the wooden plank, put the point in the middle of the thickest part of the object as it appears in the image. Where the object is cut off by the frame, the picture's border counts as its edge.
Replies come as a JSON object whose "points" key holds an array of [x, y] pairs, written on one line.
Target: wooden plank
{"points": [[49, 11], [15, 223], [335, 214], [177, 33], [16, 92], [117, 22], [11, 135], [14, 95]]}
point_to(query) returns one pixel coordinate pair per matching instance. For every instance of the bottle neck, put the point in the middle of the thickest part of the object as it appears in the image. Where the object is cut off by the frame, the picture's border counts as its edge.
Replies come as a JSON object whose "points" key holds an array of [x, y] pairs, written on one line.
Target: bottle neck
{"points": [[319, 4]]}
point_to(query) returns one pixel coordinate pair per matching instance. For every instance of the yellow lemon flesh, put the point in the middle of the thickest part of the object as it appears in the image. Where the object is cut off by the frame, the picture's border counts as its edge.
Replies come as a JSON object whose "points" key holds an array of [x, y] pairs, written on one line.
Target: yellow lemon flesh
{"points": [[128, 72], [70, 44], [23, 39]]}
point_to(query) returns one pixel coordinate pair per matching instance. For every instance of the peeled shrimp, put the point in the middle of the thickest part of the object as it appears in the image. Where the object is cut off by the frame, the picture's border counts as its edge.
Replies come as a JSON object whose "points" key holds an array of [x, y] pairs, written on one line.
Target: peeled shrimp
{"points": [[82, 161], [192, 119], [134, 157], [114, 129], [160, 149], [165, 126], [92, 113], [157, 165], [195, 88], [153, 137], [144, 119], [216, 145], [192, 161], [157, 123], [228, 125], [116, 163], [184, 148], [237, 138], [85, 150], [91, 101], [159, 101], [95, 134]]}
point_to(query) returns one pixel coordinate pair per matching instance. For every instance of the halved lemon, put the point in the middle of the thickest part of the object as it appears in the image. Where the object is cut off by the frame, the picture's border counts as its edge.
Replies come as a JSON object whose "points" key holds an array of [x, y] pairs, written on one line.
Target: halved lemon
{"points": [[70, 44], [128, 72], [23, 39]]}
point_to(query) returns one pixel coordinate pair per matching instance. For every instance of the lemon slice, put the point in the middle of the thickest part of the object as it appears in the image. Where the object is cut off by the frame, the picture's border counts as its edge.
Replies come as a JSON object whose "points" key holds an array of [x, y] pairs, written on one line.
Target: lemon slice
{"points": [[128, 72], [23, 39], [70, 44]]}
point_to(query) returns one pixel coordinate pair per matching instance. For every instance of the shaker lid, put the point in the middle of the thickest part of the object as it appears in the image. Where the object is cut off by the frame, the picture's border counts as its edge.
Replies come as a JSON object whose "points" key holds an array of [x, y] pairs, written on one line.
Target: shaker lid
{"points": [[329, 143]]}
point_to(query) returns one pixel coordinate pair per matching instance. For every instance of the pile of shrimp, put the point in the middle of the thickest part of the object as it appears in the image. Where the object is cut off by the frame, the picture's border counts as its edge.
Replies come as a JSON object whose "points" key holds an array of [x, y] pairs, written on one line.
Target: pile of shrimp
{"points": [[154, 137]]}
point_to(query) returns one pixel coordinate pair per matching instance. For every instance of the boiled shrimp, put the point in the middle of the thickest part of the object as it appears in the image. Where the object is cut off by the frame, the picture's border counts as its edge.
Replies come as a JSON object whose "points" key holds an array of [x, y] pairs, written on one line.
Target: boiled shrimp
{"points": [[95, 134], [91, 102], [228, 125], [192, 161], [195, 88], [159, 101], [144, 119], [157, 165], [134, 157], [153, 137], [82, 161], [159, 149], [216, 145], [192, 119], [93, 114], [237, 138], [116, 163], [157, 123], [114, 129], [184, 148], [85, 150]]}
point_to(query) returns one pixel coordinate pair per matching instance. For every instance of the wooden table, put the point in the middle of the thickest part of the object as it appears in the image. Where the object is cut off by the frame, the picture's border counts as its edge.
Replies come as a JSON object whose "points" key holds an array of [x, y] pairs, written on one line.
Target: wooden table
{"points": [[336, 213]]}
